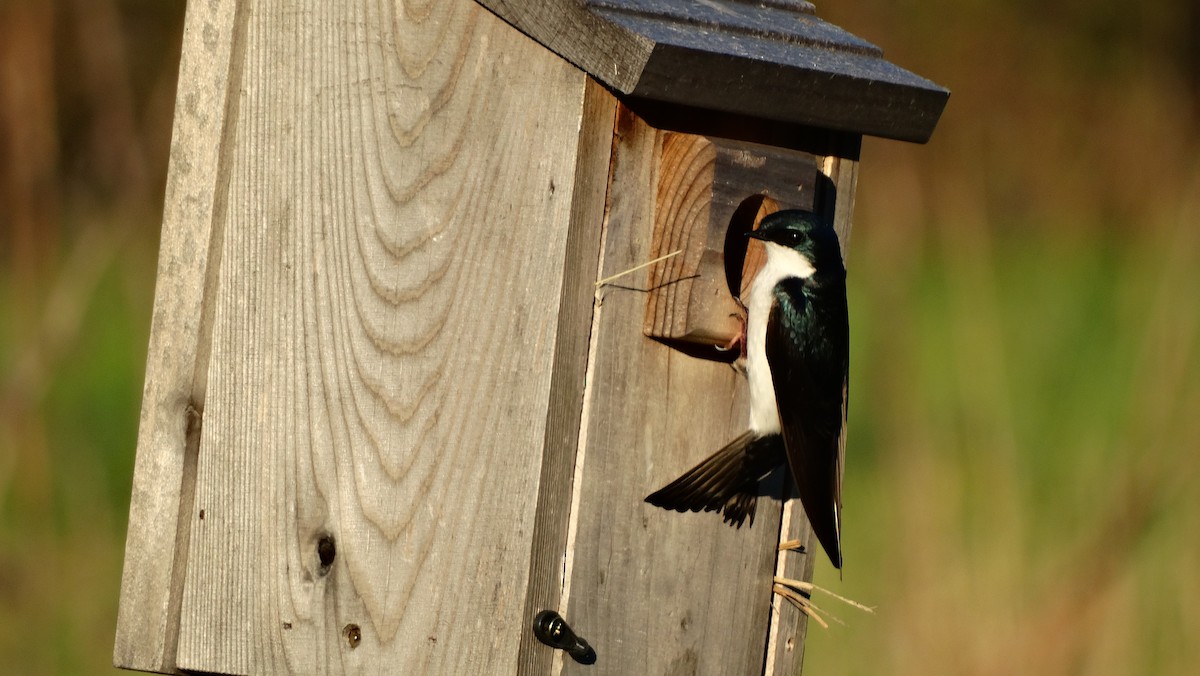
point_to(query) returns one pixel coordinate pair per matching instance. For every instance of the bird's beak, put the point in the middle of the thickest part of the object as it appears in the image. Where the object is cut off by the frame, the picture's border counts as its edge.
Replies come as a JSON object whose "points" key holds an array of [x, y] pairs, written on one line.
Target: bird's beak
{"points": [[756, 234]]}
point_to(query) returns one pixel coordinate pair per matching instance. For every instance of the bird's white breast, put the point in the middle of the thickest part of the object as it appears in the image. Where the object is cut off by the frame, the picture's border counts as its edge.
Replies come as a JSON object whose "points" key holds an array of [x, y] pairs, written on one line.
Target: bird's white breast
{"points": [[781, 264]]}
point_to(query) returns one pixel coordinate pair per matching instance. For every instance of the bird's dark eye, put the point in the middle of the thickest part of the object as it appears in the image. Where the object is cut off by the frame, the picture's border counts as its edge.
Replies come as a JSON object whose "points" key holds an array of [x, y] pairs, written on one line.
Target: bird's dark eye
{"points": [[794, 237]]}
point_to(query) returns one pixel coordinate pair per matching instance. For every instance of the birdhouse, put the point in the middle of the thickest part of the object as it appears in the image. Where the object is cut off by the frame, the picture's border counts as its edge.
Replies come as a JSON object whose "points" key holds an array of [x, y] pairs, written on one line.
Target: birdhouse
{"points": [[403, 396]]}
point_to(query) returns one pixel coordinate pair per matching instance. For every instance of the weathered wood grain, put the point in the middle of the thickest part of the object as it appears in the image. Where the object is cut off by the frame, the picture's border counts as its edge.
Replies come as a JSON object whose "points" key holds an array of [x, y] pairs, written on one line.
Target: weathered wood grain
{"points": [[701, 182], [174, 396], [656, 591], [398, 186], [358, 444], [570, 362]]}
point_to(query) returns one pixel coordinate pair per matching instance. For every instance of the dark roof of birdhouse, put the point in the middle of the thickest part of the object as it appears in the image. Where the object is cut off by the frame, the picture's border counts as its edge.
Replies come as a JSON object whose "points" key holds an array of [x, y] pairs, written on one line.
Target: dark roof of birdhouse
{"points": [[764, 59]]}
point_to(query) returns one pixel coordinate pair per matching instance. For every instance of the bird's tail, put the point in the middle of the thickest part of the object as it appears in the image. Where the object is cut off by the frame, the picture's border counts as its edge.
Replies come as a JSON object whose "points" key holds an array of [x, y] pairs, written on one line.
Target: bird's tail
{"points": [[727, 481]]}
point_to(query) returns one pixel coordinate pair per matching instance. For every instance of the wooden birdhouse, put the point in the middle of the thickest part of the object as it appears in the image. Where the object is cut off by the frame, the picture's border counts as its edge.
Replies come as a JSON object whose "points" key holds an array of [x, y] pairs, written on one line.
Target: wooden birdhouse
{"points": [[389, 417]]}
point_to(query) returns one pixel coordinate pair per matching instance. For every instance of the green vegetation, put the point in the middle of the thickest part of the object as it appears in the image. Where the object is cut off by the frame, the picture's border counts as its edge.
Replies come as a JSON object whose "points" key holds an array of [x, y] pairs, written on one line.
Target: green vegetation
{"points": [[1023, 450], [67, 436], [1026, 293], [86, 97]]}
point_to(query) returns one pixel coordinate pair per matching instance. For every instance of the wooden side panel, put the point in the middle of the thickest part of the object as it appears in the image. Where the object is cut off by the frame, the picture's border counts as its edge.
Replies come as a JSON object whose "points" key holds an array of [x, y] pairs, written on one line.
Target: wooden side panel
{"points": [[385, 328], [655, 591], [570, 363], [174, 396]]}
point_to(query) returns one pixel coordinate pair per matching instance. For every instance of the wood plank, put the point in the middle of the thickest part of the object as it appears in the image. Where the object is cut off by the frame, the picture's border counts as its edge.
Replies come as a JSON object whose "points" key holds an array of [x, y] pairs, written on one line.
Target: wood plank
{"points": [[385, 330], [570, 364], [656, 591], [173, 399]]}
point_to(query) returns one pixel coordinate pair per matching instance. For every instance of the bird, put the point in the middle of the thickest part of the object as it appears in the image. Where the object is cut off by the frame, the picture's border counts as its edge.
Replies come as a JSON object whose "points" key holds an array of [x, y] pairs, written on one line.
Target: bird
{"points": [[797, 343]]}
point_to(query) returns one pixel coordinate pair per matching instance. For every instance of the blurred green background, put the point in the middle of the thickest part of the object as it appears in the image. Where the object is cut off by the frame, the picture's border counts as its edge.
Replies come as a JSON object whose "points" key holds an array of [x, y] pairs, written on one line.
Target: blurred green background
{"points": [[1025, 424], [87, 92]]}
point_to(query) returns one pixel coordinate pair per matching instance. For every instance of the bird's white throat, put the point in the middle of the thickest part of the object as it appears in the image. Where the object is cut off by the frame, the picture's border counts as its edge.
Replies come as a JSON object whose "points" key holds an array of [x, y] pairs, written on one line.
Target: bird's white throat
{"points": [[781, 264]]}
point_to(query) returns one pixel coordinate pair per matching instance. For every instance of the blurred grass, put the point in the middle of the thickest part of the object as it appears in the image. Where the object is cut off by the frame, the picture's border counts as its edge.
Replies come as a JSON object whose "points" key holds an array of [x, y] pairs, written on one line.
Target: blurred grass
{"points": [[86, 98], [1026, 354], [1022, 498]]}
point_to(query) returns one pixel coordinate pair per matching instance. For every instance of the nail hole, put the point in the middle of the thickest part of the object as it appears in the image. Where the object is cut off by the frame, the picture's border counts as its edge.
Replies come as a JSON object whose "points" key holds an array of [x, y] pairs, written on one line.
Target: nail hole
{"points": [[202, 515], [353, 635], [326, 552]]}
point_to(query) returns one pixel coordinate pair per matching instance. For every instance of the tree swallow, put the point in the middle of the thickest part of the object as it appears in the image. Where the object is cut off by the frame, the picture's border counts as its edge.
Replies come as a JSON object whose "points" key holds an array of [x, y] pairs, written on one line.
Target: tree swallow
{"points": [[797, 356]]}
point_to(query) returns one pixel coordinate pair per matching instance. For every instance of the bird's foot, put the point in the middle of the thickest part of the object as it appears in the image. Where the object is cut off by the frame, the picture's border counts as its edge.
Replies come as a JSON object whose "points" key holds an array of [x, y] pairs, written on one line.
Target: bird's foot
{"points": [[738, 341]]}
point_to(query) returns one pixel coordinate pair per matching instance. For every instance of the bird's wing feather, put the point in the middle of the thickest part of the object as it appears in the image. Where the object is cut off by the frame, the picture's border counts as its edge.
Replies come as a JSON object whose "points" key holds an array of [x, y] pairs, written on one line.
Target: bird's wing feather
{"points": [[807, 359], [726, 481]]}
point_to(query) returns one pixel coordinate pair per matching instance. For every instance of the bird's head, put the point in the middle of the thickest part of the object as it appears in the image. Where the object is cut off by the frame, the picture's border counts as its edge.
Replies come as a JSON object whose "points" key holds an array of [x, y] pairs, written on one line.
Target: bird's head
{"points": [[805, 234]]}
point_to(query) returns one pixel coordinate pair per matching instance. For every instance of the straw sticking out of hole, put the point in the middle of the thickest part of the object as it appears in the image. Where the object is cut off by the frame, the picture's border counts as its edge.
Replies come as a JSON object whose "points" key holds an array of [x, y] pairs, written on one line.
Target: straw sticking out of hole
{"points": [[635, 268], [802, 586]]}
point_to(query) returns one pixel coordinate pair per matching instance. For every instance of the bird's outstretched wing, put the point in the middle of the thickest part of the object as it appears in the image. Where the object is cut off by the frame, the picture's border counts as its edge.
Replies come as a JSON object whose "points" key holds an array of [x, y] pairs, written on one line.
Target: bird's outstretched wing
{"points": [[727, 481], [807, 349]]}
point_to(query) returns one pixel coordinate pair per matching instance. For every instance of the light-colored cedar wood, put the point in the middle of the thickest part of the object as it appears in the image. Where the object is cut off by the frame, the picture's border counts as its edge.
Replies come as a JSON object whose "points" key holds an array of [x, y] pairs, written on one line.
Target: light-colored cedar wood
{"points": [[398, 186], [656, 591], [174, 396], [570, 362], [701, 182]]}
